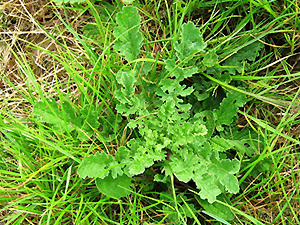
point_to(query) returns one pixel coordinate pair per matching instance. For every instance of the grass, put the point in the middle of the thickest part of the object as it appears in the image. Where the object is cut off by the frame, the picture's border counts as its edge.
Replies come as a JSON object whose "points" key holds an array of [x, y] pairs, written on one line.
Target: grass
{"points": [[38, 167]]}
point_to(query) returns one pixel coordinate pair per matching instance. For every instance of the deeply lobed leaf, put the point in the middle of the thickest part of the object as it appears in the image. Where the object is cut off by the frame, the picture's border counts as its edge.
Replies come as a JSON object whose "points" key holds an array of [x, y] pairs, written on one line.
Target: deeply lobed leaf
{"points": [[228, 108]]}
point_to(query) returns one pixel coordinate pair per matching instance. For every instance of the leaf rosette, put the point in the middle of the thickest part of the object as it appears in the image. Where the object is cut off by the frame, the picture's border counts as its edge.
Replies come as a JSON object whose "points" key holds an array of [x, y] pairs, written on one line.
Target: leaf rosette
{"points": [[190, 144]]}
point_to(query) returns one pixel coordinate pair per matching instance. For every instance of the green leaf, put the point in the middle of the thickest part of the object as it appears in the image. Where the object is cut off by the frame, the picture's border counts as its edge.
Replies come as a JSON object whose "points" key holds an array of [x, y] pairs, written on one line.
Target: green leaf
{"points": [[140, 163], [127, 80], [208, 173], [129, 39], [62, 120], [238, 62], [133, 106], [117, 188], [171, 88], [90, 120], [95, 166], [208, 188], [191, 42], [224, 170], [167, 109], [220, 144], [228, 108], [129, 102], [184, 169]]}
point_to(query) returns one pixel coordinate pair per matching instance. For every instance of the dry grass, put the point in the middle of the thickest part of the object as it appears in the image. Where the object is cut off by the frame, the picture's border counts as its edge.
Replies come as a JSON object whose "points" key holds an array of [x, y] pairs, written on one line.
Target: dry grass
{"points": [[24, 35]]}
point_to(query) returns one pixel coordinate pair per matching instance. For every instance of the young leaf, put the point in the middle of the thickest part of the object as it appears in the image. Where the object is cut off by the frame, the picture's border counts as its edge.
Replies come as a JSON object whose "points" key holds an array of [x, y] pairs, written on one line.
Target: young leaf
{"points": [[127, 80], [129, 39]]}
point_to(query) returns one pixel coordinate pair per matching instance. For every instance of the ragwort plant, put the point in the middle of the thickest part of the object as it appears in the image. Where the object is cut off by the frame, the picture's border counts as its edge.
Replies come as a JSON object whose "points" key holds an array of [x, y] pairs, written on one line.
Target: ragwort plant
{"points": [[184, 128]]}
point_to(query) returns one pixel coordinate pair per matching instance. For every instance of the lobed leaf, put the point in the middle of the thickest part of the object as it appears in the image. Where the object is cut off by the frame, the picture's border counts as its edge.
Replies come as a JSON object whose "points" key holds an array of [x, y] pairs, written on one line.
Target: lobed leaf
{"points": [[191, 42], [209, 173], [95, 166], [208, 187], [238, 61], [127, 80], [228, 108], [129, 39]]}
